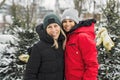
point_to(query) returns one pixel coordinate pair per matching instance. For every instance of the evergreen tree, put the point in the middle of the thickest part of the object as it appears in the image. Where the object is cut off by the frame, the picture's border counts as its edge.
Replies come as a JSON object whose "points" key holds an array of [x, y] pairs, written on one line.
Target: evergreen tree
{"points": [[24, 30], [110, 60]]}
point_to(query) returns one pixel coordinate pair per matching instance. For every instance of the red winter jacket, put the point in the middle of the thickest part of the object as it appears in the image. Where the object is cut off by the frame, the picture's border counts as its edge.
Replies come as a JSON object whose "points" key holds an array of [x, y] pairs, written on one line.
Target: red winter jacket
{"points": [[81, 54]]}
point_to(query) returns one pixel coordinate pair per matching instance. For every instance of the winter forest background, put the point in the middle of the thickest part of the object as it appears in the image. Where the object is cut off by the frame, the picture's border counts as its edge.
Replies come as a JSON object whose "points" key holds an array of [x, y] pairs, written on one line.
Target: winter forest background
{"points": [[18, 19]]}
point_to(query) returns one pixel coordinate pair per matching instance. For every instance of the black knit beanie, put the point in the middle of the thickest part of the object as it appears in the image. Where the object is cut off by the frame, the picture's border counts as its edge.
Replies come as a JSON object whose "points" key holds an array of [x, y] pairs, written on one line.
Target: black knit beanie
{"points": [[50, 18]]}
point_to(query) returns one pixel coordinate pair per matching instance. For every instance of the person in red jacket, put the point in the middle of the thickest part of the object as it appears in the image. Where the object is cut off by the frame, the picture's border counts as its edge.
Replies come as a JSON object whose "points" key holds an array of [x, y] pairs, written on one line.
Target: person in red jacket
{"points": [[80, 54]]}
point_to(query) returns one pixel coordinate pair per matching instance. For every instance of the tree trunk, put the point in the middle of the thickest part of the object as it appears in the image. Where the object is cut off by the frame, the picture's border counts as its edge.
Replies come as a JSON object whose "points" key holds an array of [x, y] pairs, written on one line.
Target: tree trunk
{"points": [[2, 3], [78, 5]]}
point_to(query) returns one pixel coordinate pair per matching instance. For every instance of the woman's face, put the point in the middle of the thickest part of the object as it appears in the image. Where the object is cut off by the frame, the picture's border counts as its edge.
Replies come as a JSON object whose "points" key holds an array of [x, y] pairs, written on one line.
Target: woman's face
{"points": [[68, 24], [53, 30]]}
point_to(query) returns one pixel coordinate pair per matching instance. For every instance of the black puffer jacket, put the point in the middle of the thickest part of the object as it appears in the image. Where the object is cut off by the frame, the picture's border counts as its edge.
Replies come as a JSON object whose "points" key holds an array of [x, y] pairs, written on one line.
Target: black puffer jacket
{"points": [[45, 62]]}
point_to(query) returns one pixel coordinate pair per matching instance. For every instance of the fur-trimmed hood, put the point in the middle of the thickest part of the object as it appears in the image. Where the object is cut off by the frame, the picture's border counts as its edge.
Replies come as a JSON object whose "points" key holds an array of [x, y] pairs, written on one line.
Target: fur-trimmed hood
{"points": [[86, 26]]}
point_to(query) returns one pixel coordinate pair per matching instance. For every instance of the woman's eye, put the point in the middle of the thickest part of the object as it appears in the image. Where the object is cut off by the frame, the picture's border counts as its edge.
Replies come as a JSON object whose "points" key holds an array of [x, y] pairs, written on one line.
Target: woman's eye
{"points": [[49, 27], [55, 25], [70, 21], [64, 21]]}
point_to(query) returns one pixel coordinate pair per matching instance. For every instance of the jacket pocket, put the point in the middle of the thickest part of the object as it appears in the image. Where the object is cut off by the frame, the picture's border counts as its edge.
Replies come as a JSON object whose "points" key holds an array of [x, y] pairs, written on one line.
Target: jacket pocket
{"points": [[74, 51]]}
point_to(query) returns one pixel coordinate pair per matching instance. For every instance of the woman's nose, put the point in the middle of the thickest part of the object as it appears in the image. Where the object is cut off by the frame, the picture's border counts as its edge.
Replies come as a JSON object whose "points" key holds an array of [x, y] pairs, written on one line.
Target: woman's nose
{"points": [[53, 29], [67, 23]]}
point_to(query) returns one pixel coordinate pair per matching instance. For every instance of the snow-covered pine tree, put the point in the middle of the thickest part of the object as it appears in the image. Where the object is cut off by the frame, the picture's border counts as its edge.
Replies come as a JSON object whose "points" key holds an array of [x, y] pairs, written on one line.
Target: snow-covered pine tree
{"points": [[110, 60], [8, 66], [26, 34], [24, 30]]}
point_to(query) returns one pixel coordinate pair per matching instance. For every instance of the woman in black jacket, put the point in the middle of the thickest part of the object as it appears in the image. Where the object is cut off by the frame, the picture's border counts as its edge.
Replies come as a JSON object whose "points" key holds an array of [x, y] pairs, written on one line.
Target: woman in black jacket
{"points": [[46, 60]]}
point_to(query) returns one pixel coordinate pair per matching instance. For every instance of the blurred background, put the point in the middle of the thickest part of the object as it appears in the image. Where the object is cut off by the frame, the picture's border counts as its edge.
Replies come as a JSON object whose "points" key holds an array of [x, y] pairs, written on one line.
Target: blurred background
{"points": [[19, 18]]}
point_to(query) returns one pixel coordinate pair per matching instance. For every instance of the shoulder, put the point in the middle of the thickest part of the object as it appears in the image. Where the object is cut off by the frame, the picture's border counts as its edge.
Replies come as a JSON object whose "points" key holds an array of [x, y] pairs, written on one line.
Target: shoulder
{"points": [[79, 35], [83, 37], [36, 46], [39, 45]]}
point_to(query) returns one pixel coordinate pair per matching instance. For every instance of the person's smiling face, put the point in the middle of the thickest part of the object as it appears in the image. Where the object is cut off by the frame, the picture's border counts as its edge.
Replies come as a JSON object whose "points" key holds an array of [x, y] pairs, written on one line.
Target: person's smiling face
{"points": [[68, 24], [53, 30]]}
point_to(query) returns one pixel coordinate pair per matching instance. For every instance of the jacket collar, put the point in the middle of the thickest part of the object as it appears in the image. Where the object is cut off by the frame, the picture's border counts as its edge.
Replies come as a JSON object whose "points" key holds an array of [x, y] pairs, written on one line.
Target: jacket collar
{"points": [[86, 26]]}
